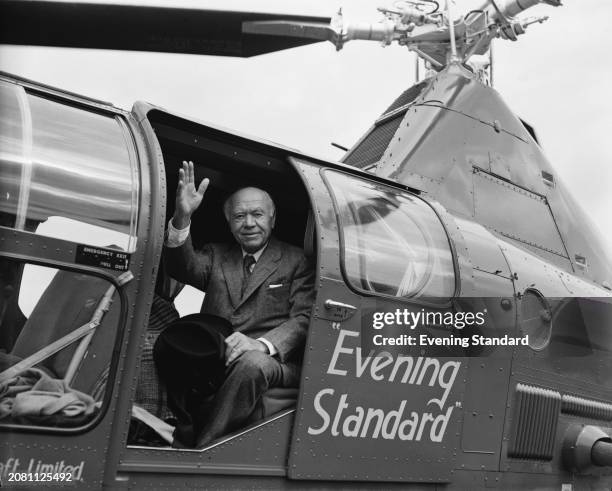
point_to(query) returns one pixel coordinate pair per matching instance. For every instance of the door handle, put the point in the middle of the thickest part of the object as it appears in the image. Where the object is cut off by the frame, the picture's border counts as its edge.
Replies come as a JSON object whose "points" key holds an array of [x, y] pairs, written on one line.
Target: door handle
{"points": [[332, 304], [339, 311]]}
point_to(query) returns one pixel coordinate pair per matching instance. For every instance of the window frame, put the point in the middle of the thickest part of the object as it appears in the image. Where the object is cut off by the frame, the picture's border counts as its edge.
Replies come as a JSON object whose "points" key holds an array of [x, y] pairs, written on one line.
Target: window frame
{"points": [[45, 242], [342, 244]]}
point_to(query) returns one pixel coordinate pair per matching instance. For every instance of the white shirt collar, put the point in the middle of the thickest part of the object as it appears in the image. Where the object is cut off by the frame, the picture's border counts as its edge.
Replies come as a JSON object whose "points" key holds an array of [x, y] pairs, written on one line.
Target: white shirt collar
{"points": [[257, 254]]}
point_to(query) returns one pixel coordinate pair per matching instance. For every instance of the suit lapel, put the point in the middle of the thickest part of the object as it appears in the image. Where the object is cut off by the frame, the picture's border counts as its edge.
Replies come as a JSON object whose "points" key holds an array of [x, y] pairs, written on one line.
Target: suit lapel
{"points": [[267, 264], [232, 271]]}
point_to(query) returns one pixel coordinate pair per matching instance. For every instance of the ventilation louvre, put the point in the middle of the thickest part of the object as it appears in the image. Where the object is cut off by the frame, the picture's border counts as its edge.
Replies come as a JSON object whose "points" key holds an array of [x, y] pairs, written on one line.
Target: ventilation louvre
{"points": [[407, 96], [371, 149], [535, 422]]}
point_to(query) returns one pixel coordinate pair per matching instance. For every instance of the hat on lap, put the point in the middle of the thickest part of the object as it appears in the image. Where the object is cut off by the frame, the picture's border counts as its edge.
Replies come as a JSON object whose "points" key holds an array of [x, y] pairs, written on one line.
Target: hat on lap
{"points": [[190, 352]]}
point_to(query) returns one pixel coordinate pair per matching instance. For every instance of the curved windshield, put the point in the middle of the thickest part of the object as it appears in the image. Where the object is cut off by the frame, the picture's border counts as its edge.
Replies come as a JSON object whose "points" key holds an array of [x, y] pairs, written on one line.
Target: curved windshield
{"points": [[59, 160], [394, 243]]}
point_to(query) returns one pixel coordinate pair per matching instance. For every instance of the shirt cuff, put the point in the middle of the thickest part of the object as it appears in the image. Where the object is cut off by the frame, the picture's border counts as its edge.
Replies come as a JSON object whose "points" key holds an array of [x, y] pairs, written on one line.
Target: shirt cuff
{"points": [[271, 349], [176, 237]]}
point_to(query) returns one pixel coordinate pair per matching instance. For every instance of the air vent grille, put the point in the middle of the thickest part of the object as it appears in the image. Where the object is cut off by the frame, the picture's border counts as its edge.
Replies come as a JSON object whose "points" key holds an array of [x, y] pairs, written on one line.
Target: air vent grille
{"points": [[407, 96], [535, 421], [372, 148]]}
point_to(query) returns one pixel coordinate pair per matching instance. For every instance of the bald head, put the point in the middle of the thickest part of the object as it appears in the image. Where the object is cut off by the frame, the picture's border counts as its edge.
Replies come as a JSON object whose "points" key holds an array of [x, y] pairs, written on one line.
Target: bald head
{"points": [[248, 193], [251, 215]]}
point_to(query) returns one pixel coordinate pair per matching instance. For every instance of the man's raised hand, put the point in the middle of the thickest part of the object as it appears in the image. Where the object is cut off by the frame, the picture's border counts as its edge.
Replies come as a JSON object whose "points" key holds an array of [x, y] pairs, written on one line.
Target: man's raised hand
{"points": [[188, 197]]}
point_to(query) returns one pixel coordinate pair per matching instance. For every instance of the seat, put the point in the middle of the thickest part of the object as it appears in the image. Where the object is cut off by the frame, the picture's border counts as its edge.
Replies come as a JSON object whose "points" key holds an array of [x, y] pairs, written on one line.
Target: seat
{"points": [[11, 317], [66, 304], [278, 399]]}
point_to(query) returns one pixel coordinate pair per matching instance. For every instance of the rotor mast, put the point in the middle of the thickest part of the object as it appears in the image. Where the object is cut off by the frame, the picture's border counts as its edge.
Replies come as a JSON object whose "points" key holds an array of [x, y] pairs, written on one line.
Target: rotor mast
{"points": [[435, 35]]}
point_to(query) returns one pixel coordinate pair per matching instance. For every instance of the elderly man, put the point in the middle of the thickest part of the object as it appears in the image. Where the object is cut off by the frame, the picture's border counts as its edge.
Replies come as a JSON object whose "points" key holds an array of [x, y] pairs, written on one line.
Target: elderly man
{"points": [[263, 286]]}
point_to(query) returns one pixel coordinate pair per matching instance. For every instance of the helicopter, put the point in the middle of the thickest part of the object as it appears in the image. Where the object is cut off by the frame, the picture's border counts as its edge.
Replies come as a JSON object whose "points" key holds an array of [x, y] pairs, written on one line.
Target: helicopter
{"points": [[409, 223]]}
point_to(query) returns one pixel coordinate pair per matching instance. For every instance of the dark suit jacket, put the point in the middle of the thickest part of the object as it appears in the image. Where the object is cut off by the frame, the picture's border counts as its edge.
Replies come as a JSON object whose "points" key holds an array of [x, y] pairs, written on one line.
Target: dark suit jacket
{"points": [[278, 297]]}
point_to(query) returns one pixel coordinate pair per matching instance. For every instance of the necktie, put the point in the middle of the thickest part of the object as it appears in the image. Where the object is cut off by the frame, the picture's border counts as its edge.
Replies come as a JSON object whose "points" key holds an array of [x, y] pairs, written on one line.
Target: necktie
{"points": [[248, 262]]}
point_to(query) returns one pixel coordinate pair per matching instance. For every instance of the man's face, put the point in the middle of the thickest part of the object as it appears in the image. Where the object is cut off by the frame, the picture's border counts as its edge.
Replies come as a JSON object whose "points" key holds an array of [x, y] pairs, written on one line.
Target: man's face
{"points": [[251, 218]]}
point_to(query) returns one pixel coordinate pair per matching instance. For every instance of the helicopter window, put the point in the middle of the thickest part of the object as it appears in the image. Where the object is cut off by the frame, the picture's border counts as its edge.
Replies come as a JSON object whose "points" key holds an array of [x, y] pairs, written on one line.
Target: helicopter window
{"points": [[37, 278], [12, 149], [394, 244], [55, 372], [64, 161]]}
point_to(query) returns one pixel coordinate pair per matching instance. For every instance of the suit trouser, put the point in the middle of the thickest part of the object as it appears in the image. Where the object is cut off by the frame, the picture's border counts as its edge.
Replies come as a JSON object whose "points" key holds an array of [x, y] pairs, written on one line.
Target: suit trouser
{"points": [[246, 380]]}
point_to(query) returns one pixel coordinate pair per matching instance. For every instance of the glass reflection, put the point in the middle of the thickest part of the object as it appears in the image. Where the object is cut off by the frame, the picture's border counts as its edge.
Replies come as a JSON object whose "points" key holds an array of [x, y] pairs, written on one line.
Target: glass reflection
{"points": [[12, 151], [81, 167], [394, 243], [57, 160]]}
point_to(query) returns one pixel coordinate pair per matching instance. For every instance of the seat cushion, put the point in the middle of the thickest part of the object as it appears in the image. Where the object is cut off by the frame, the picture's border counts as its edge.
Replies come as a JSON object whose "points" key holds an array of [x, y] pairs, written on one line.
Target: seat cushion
{"points": [[278, 399]]}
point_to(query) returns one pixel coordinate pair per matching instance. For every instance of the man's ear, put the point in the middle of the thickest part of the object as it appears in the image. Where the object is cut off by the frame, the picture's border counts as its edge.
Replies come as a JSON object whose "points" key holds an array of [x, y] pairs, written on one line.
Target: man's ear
{"points": [[273, 220]]}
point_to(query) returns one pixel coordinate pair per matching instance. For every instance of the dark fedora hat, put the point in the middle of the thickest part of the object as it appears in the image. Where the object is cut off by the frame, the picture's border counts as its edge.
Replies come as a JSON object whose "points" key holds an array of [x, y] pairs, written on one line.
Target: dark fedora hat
{"points": [[189, 353]]}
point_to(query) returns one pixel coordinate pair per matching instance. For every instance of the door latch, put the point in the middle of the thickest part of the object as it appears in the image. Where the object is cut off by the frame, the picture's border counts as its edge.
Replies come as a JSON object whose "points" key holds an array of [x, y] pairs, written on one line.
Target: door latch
{"points": [[338, 311]]}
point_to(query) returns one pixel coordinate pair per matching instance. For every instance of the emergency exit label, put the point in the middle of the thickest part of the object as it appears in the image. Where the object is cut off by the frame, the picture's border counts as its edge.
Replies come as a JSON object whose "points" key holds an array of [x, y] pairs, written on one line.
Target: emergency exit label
{"points": [[102, 258]]}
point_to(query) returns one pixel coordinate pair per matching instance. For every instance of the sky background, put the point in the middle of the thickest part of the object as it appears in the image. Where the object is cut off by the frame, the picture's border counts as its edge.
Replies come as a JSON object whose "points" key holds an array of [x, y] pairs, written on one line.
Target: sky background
{"points": [[557, 77]]}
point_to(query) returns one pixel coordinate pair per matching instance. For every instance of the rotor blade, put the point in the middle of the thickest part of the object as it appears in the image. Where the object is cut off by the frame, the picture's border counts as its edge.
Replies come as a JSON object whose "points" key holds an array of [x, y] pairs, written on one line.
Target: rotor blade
{"points": [[317, 31], [142, 28]]}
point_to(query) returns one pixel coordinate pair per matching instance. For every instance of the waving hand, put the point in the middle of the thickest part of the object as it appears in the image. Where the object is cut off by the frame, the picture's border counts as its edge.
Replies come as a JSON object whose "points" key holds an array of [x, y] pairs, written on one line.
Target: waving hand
{"points": [[188, 197]]}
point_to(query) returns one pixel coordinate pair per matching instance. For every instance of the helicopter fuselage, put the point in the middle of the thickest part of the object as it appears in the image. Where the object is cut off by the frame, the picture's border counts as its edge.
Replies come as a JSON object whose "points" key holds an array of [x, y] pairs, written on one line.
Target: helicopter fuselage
{"points": [[457, 230]]}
